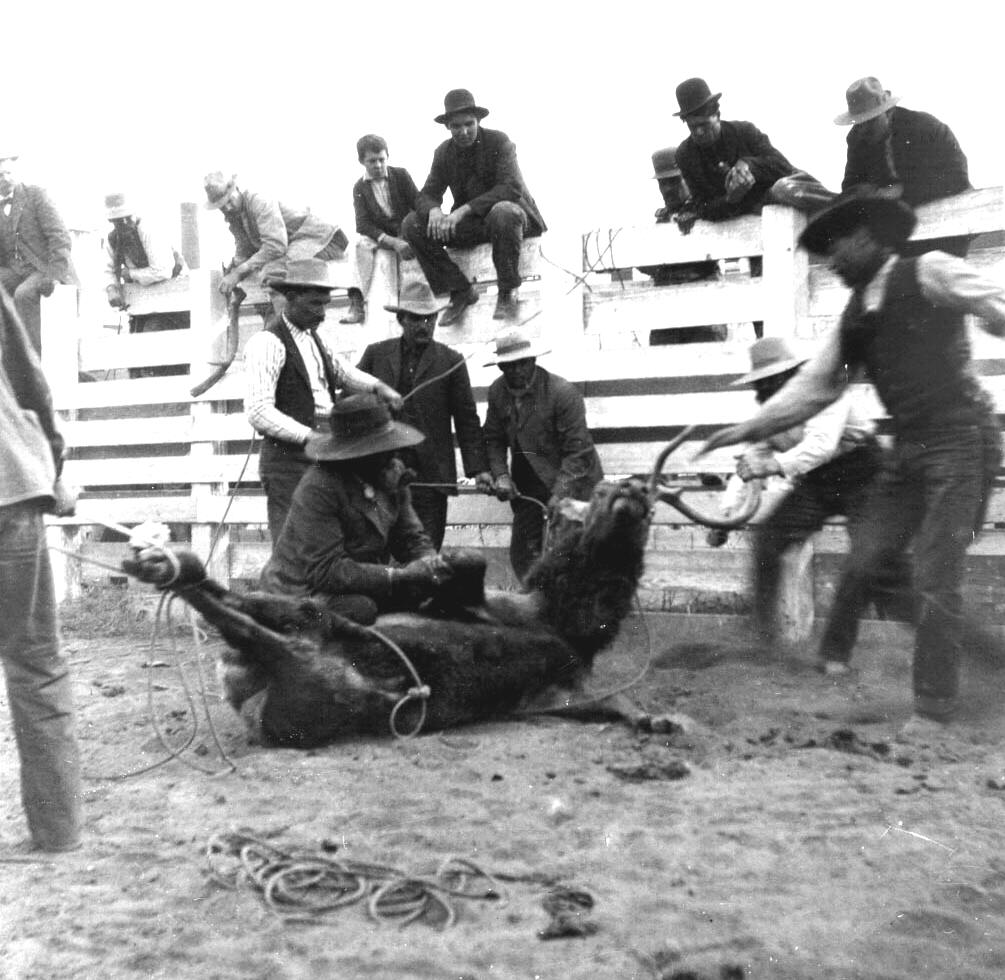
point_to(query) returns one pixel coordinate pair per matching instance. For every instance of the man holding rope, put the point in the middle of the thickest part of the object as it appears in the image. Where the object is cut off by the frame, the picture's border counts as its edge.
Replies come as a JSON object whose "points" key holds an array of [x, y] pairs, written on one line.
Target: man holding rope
{"points": [[38, 681], [433, 380]]}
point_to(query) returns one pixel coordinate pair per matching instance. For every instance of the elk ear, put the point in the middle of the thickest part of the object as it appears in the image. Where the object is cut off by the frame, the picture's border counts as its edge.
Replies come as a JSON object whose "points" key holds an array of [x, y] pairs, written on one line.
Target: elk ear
{"points": [[572, 510]]}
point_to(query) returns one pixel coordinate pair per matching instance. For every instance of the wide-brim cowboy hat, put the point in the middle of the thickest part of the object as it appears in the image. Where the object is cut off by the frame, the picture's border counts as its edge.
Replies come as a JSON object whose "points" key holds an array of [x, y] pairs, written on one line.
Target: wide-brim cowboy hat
{"points": [[218, 188], [889, 218], [116, 206], [303, 274], [361, 426], [769, 356], [460, 100], [515, 345], [694, 94], [866, 99], [416, 297]]}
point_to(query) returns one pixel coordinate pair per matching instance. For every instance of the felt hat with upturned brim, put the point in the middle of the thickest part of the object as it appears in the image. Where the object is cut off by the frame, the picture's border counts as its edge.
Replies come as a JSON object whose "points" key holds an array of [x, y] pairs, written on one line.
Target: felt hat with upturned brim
{"points": [[515, 345], [116, 206], [361, 425], [769, 356], [416, 297], [665, 163], [460, 100], [693, 94], [866, 99], [889, 218], [217, 188], [302, 274]]}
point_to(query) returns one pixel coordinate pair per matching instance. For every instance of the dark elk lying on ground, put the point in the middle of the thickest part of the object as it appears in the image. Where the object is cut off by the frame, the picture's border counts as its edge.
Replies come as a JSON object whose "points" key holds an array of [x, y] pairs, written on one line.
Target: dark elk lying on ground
{"points": [[302, 676]]}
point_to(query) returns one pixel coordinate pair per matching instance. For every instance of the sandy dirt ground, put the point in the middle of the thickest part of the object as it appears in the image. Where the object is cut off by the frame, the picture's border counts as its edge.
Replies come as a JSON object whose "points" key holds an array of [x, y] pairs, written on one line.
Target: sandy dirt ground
{"points": [[784, 833]]}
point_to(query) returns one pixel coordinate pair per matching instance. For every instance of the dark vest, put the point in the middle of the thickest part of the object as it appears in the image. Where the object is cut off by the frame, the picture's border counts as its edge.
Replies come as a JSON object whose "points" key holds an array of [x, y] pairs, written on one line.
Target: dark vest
{"points": [[293, 391], [917, 355], [8, 244]]}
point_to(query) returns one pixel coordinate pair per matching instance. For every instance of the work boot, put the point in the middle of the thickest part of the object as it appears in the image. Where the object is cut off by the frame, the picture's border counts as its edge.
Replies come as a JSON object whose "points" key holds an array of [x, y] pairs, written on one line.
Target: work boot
{"points": [[357, 308], [460, 300], [507, 305]]}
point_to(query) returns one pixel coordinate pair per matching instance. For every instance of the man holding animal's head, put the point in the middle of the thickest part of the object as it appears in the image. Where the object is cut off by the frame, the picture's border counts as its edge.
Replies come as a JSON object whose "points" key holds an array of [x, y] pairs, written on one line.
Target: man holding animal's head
{"points": [[538, 420], [352, 515], [905, 326]]}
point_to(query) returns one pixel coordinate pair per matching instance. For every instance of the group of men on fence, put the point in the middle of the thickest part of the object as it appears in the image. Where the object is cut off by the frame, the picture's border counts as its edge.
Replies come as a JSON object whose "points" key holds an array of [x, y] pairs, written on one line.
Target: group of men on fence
{"points": [[337, 465]]}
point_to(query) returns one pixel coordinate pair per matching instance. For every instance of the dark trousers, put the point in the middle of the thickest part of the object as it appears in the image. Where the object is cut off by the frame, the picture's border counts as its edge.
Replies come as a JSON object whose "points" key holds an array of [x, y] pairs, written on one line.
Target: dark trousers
{"points": [[933, 491], [38, 681], [280, 467], [529, 518], [431, 507], [838, 488], [504, 226], [24, 286]]}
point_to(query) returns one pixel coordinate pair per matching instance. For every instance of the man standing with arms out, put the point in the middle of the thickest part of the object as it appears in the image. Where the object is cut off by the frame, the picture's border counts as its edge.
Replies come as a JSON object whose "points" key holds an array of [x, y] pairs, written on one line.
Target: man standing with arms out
{"points": [[905, 325], [381, 200], [903, 153], [410, 364], [39, 690], [267, 233], [539, 420], [34, 247], [491, 203], [293, 380]]}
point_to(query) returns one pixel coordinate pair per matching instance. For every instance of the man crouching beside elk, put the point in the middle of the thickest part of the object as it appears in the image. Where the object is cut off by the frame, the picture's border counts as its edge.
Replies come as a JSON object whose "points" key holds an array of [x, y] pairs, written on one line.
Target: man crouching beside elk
{"points": [[351, 517]]}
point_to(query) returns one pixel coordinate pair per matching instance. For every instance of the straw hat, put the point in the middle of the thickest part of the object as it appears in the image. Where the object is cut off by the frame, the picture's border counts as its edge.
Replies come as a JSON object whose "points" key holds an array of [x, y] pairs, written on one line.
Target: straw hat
{"points": [[218, 188], [515, 345], [116, 206]]}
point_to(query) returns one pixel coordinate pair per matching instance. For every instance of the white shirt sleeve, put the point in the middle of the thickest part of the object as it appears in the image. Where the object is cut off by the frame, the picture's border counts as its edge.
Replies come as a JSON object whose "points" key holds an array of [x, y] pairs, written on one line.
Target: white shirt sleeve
{"points": [[264, 357], [949, 281], [821, 440]]}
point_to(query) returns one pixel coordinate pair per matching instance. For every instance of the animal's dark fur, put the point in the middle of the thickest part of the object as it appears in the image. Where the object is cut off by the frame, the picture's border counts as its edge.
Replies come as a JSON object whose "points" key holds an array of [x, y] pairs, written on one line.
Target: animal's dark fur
{"points": [[302, 675]]}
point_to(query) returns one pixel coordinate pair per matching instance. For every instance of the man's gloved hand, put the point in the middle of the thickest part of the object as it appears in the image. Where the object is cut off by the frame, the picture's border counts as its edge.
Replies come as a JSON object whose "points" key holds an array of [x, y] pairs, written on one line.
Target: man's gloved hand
{"points": [[483, 482], [420, 578], [504, 487], [116, 297], [46, 287], [685, 219]]}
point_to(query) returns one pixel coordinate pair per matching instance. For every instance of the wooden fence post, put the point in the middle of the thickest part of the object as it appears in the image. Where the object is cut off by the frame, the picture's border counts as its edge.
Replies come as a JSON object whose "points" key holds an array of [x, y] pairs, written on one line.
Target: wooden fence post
{"points": [[786, 271], [61, 344]]}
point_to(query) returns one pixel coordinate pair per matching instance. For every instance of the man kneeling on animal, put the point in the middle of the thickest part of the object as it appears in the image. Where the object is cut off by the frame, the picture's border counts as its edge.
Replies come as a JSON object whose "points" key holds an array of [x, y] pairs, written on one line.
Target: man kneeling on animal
{"points": [[351, 516]]}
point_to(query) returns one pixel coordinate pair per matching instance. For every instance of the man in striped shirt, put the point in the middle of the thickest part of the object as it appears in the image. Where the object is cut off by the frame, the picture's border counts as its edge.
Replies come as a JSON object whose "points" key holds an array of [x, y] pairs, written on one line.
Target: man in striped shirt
{"points": [[293, 381]]}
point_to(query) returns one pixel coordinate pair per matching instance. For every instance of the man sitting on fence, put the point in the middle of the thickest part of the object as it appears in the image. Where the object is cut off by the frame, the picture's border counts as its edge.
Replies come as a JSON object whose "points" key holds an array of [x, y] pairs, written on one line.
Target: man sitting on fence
{"points": [[491, 203], [142, 255], [905, 325], [903, 153], [293, 381], [382, 200], [352, 516]]}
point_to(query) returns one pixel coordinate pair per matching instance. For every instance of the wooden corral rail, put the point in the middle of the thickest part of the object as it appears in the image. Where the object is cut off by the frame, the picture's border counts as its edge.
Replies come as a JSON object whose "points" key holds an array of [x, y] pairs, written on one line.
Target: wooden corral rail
{"points": [[143, 449]]}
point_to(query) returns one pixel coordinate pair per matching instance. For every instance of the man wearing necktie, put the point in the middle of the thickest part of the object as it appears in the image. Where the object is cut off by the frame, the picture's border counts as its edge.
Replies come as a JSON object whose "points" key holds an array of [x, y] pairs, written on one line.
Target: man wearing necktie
{"points": [[34, 247], [293, 381], [905, 326]]}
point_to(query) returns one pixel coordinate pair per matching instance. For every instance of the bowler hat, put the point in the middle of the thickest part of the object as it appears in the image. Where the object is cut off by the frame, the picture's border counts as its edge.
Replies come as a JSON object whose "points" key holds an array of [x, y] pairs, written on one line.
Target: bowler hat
{"points": [[515, 345], [693, 94], [866, 99], [665, 163], [116, 206], [302, 274], [460, 100], [416, 297], [769, 356], [361, 425], [889, 219], [217, 188]]}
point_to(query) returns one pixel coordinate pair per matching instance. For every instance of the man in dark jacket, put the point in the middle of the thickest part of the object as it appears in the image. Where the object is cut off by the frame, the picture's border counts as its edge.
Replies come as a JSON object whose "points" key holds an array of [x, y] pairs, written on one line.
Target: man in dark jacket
{"points": [[903, 153], [382, 199], [34, 247], [351, 516], [539, 420], [433, 381], [491, 203]]}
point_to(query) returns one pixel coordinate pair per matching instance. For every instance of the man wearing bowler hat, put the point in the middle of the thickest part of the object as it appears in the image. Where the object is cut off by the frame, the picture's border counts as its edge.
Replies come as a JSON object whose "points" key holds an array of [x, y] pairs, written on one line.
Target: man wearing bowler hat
{"points": [[293, 381], [538, 444], [433, 380], [905, 326], [491, 203], [731, 168], [902, 152], [352, 516]]}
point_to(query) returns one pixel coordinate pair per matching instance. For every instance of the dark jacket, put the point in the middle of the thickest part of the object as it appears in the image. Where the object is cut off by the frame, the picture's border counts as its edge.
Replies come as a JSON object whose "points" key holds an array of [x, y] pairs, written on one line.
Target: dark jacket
{"points": [[433, 408], [40, 237], [927, 160], [337, 540], [702, 169], [371, 219], [480, 176], [551, 431]]}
